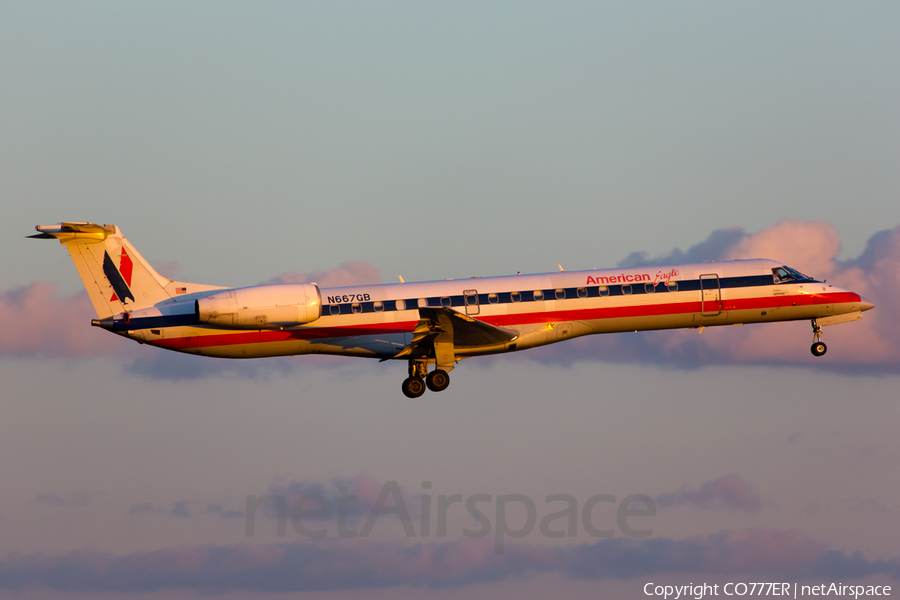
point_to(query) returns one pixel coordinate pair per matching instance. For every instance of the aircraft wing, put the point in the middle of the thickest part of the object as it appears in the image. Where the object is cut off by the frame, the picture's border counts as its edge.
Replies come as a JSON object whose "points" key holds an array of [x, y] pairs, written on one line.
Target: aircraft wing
{"points": [[445, 325]]}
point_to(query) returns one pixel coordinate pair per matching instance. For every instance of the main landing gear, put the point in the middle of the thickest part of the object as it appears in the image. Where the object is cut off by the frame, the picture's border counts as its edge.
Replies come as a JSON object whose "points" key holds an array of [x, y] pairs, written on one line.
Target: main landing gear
{"points": [[414, 385], [818, 348]]}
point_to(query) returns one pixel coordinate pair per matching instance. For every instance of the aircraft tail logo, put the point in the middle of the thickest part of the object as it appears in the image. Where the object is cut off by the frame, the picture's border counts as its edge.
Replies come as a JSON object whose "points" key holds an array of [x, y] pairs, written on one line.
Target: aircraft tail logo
{"points": [[119, 279]]}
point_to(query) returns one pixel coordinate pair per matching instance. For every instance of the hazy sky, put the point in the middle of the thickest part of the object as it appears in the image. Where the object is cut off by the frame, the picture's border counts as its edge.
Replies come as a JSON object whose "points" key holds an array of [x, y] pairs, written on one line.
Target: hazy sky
{"points": [[234, 143]]}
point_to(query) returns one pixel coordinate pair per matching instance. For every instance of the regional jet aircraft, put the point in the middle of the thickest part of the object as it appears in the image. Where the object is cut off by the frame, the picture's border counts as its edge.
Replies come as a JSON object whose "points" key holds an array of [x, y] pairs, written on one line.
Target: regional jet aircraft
{"points": [[436, 322]]}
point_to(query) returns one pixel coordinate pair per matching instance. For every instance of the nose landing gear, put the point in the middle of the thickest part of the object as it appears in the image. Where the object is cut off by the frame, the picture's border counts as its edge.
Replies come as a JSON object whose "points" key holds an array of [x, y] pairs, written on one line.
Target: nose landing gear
{"points": [[414, 385], [818, 348]]}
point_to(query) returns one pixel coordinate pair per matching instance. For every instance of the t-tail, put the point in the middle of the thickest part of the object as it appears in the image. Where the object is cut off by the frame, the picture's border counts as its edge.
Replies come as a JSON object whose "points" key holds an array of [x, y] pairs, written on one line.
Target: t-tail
{"points": [[118, 280]]}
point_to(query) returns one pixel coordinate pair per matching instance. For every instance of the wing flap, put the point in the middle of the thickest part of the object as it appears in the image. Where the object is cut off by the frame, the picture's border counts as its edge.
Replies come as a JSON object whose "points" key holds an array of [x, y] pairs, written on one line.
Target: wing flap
{"points": [[462, 331], [466, 331]]}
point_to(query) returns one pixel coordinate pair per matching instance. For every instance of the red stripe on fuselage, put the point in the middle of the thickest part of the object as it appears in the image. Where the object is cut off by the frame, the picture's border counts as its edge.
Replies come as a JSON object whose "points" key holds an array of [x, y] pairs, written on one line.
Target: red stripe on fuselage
{"points": [[584, 314]]}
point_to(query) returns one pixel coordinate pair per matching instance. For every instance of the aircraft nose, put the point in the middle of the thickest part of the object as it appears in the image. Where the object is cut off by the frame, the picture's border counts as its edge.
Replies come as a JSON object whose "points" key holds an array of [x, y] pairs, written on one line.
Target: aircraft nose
{"points": [[865, 304]]}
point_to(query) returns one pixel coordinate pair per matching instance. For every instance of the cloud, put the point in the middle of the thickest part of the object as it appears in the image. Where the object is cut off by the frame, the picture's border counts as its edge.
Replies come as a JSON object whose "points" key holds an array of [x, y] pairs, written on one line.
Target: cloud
{"points": [[180, 509], [156, 363], [712, 248], [349, 273], [754, 550], [810, 245], [338, 564], [365, 489], [728, 491], [36, 323], [871, 345]]}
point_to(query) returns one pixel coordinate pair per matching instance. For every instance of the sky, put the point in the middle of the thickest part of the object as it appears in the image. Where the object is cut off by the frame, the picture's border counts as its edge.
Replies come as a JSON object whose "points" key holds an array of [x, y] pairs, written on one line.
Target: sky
{"points": [[239, 143]]}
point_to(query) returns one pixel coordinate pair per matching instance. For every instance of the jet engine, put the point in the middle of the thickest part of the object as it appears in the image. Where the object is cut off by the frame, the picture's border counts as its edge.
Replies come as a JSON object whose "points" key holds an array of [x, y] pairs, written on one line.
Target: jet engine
{"points": [[273, 306]]}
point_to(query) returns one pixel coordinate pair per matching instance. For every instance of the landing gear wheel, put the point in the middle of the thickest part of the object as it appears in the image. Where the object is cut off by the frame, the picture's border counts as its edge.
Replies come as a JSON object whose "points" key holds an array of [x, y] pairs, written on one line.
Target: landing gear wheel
{"points": [[438, 380], [413, 387], [818, 348]]}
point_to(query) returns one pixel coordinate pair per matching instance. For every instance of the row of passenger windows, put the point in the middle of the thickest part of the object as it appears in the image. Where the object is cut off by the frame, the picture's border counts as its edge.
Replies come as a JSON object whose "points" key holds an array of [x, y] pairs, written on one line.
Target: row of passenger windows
{"points": [[472, 299]]}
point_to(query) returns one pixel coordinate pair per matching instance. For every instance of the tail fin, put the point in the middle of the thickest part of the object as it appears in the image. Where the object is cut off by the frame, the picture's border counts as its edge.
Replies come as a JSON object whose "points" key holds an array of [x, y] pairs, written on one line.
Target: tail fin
{"points": [[116, 276]]}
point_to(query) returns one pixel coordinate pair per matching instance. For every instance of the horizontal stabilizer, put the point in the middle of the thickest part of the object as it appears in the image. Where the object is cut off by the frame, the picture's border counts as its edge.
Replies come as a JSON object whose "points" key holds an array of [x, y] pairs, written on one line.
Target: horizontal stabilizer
{"points": [[77, 232]]}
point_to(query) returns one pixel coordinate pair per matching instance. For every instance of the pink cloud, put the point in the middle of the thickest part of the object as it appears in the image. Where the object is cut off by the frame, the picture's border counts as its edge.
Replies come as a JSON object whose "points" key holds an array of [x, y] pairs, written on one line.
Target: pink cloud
{"points": [[364, 487], [37, 323], [871, 344], [812, 247], [349, 273], [759, 549], [809, 246], [728, 491]]}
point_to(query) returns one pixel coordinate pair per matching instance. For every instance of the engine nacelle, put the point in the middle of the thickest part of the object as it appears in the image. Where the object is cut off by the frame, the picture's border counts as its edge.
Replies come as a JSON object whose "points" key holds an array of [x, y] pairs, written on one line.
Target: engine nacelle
{"points": [[273, 306]]}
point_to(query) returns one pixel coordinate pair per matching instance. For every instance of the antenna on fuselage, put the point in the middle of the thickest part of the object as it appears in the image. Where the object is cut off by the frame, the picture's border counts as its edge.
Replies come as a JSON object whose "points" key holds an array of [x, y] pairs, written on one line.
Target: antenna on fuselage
{"points": [[401, 278]]}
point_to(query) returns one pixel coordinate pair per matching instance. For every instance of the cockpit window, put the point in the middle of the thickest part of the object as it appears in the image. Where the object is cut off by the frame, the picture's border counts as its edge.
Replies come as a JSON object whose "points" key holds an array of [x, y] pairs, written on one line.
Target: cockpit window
{"points": [[784, 274], [780, 275]]}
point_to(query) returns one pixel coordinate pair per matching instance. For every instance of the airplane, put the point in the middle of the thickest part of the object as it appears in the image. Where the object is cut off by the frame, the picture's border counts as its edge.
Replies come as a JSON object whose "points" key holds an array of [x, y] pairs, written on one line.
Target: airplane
{"points": [[435, 322]]}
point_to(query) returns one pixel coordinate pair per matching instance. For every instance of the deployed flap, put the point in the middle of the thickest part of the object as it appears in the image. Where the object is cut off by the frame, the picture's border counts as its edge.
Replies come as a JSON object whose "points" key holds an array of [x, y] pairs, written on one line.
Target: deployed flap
{"points": [[466, 331], [456, 328]]}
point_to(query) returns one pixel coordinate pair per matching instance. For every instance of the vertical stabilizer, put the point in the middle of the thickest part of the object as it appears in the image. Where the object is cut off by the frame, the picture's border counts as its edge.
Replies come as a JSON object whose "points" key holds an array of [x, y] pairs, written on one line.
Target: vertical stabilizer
{"points": [[116, 276]]}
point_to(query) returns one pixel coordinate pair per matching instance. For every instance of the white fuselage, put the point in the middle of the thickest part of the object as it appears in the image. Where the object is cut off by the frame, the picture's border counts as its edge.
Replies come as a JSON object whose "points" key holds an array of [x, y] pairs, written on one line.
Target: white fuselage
{"points": [[378, 321]]}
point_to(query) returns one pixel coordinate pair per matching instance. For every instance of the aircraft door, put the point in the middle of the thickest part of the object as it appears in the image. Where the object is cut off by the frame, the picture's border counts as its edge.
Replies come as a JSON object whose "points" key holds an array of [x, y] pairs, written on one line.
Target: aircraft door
{"points": [[470, 298], [710, 295]]}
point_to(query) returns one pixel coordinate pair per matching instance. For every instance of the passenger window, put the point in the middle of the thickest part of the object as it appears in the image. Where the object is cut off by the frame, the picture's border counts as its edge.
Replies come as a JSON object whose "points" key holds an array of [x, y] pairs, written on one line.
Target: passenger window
{"points": [[560, 294], [356, 307], [516, 296], [335, 309], [604, 291], [582, 292], [649, 288], [626, 289], [445, 302], [538, 295], [493, 298], [400, 304], [378, 306], [672, 286]]}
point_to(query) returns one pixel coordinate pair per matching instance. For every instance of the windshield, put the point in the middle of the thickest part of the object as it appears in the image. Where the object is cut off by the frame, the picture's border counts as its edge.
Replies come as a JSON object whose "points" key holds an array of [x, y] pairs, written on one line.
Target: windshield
{"points": [[784, 273]]}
